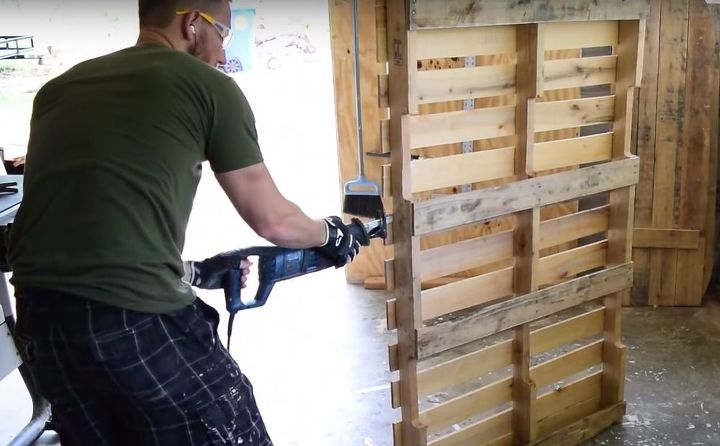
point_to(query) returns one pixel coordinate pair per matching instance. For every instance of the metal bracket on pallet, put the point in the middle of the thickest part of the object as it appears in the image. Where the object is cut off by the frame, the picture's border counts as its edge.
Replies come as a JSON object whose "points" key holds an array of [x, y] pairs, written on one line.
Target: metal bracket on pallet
{"points": [[468, 104]]}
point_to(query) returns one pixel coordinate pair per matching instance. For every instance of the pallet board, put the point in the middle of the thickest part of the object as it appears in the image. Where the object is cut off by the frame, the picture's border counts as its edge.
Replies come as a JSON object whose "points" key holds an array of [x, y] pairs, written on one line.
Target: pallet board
{"points": [[500, 337]]}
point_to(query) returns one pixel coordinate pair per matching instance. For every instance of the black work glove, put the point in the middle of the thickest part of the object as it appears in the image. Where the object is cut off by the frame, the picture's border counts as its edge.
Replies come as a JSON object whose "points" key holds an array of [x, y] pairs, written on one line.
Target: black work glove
{"points": [[344, 241], [210, 273], [206, 274]]}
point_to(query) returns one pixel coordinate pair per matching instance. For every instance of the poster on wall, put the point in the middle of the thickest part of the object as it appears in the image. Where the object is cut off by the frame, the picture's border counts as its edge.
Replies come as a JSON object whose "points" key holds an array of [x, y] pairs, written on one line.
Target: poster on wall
{"points": [[239, 53]]}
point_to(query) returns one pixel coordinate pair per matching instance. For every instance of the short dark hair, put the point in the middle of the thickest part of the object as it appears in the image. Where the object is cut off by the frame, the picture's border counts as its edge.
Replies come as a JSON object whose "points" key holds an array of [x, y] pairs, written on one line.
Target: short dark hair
{"points": [[159, 13]]}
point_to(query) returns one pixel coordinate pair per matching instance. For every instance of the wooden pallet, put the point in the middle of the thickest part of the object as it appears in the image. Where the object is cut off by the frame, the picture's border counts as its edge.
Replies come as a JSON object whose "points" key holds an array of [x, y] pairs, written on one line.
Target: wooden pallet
{"points": [[674, 239], [525, 349]]}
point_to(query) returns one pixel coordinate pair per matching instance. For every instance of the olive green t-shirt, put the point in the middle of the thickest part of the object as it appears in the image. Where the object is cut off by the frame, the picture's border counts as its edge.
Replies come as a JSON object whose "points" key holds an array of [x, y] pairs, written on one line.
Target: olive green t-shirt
{"points": [[113, 164]]}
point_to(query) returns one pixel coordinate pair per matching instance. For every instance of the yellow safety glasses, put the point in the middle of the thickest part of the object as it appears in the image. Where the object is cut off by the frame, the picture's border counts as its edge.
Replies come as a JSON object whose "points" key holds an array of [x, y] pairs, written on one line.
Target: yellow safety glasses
{"points": [[225, 32]]}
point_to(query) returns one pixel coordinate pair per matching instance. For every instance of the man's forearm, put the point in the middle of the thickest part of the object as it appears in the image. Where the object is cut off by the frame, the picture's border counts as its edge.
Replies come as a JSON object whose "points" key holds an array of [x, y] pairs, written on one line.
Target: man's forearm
{"points": [[297, 230]]}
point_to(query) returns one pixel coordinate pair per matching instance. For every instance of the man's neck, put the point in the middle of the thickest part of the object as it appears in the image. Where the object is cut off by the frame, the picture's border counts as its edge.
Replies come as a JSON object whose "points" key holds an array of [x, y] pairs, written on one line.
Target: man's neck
{"points": [[156, 37]]}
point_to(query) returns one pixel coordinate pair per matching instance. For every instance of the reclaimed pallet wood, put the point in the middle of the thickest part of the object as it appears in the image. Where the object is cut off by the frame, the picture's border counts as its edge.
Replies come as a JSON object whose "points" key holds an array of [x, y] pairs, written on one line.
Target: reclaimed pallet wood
{"points": [[538, 268]]}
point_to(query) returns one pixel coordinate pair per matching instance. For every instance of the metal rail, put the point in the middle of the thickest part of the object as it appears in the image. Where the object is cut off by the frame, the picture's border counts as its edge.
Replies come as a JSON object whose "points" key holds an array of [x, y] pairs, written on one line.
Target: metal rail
{"points": [[18, 47]]}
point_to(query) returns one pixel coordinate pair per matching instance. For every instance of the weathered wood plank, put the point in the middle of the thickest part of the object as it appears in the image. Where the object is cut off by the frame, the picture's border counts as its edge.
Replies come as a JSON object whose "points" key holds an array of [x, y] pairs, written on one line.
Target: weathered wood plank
{"points": [[570, 363], [505, 315], [478, 363], [582, 72], [647, 120], [702, 83], [526, 246], [572, 151], [465, 368], [407, 247], [448, 212], [467, 168], [573, 113], [567, 331], [462, 13], [448, 259], [467, 405], [567, 264], [666, 238], [669, 139], [585, 429], [455, 127], [485, 432], [467, 293], [572, 227], [571, 35], [458, 84], [569, 403], [454, 42]]}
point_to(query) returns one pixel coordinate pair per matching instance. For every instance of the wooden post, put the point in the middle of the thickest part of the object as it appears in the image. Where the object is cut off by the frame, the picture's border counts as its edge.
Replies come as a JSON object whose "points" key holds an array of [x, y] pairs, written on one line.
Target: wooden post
{"points": [[407, 246], [526, 237], [629, 69]]}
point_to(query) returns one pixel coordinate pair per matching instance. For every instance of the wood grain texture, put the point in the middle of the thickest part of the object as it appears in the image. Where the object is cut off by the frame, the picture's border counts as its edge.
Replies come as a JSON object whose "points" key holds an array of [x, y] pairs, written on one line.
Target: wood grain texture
{"points": [[701, 83], [506, 315], [448, 212], [464, 13], [406, 275], [669, 140], [569, 403], [585, 429], [486, 432], [370, 261], [666, 238], [646, 136], [572, 35]]}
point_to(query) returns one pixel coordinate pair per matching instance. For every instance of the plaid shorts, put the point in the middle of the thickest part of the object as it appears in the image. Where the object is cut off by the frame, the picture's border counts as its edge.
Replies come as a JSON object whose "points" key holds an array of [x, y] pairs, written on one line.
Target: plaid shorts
{"points": [[119, 377]]}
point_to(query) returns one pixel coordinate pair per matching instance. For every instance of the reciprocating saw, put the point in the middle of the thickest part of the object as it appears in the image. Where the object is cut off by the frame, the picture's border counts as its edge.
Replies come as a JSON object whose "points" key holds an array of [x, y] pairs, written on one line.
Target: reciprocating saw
{"points": [[274, 265]]}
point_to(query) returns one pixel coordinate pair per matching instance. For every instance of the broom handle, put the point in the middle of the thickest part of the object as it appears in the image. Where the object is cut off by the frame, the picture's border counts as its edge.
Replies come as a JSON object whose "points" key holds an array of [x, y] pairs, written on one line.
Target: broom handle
{"points": [[358, 102]]}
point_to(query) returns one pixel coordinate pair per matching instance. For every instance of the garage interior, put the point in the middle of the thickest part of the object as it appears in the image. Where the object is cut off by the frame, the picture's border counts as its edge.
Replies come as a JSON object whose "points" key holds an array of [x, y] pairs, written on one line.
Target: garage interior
{"points": [[317, 353]]}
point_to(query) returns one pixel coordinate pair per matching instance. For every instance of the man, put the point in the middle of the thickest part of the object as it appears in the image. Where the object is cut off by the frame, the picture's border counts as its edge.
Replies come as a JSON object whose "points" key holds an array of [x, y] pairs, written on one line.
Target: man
{"points": [[116, 341]]}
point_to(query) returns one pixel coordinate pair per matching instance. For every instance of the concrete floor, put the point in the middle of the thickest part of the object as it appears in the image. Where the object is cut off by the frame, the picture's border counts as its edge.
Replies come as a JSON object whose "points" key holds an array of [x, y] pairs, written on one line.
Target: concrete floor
{"points": [[317, 357]]}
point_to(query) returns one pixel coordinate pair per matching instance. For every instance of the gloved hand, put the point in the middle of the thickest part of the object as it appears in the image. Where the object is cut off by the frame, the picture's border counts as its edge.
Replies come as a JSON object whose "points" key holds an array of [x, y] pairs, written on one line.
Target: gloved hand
{"points": [[209, 273], [344, 241]]}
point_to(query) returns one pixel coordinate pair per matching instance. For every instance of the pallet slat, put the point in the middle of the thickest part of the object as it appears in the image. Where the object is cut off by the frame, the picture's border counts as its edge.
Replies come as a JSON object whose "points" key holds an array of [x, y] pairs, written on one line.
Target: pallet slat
{"points": [[475, 364], [567, 264], [465, 406], [464, 83], [456, 13], [572, 227], [467, 293], [509, 314], [569, 403], [454, 127], [448, 212], [568, 364], [436, 173], [448, 259], [572, 152], [557, 115], [571, 35], [494, 428], [568, 331], [581, 72], [486, 40]]}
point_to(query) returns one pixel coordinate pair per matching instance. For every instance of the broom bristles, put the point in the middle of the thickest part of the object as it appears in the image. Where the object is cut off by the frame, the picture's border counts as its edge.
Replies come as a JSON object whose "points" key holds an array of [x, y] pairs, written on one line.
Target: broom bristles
{"points": [[363, 205]]}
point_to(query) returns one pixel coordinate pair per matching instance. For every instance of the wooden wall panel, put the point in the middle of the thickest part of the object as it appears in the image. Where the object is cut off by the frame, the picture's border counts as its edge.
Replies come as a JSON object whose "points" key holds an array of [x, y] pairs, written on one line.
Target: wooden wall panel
{"points": [[676, 142]]}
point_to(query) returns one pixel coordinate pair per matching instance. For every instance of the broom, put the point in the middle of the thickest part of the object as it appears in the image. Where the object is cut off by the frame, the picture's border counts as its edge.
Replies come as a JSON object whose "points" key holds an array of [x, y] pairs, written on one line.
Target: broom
{"points": [[362, 196]]}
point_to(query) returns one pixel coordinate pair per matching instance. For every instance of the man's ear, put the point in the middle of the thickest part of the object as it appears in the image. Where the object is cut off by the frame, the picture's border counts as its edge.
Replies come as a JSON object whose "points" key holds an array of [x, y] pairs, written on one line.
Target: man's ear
{"points": [[189, 30]]}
